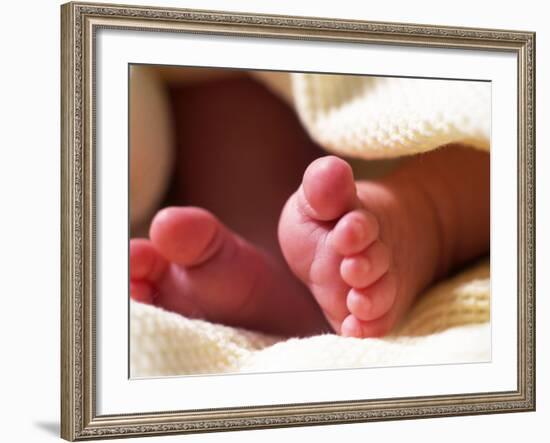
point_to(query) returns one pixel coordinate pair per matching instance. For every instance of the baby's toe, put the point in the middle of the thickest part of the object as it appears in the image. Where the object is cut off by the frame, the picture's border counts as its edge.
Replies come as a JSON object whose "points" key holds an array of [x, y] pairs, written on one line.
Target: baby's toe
{"points": [[363, 269], [143, 292], [187, 236], [146, 269], [145, 262], [374, 301], [354, 232], [353, 327], [328, 189]]}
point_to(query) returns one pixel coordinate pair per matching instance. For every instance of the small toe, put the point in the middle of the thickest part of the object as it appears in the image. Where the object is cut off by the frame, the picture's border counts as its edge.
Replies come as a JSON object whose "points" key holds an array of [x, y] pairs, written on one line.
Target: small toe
{"points": [[328, 189], [353, 327], [146, 269], [145, 262], [354, 232], [356, 270], [359, 271], [373, 302]]}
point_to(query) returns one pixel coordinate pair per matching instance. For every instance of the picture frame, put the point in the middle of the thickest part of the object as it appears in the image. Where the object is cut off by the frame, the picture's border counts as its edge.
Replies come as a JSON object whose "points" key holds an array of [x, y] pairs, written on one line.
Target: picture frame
{"points": [[80, 177]]}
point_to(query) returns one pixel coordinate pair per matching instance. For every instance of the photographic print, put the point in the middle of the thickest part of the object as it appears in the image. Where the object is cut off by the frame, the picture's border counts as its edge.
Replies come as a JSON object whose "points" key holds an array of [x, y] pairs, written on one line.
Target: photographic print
{"points": [[283, 221], [306, 220]]}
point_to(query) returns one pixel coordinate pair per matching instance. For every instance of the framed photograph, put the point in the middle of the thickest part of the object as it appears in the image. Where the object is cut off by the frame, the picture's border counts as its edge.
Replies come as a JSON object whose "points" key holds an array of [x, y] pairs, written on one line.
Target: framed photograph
{"points": [[277, 221]]}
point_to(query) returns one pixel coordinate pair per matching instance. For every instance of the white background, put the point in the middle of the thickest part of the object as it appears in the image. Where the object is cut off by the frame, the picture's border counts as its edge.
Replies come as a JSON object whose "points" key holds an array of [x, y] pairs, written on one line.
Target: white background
{"points": [[29, 184], [117, 394]]}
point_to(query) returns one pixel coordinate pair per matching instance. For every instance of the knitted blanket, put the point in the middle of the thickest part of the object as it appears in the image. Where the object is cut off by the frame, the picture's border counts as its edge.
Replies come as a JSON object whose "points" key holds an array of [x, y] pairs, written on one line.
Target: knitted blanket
{"points": [[449, 324], [362, 117]]}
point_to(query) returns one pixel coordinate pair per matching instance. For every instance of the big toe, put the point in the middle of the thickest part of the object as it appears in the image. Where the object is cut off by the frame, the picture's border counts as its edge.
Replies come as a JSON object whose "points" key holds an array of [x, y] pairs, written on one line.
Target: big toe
{"points": [[187, 236], [328, 189]]}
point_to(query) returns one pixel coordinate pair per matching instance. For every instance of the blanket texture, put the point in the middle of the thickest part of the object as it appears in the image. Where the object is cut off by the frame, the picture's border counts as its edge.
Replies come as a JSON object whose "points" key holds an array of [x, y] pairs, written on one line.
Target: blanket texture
{"points": [[384, 117], [448, 325], [361, 117]]}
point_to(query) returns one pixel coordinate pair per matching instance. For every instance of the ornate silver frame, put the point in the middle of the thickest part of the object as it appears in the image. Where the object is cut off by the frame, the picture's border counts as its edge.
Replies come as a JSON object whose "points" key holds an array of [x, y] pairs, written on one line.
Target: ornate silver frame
{"points": [[79, 420]]}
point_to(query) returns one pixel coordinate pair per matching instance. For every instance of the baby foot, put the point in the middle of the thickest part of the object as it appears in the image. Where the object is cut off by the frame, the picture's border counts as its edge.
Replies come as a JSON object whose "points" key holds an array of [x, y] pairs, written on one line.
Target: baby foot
{"points": [[347, 244], [195, 266]]}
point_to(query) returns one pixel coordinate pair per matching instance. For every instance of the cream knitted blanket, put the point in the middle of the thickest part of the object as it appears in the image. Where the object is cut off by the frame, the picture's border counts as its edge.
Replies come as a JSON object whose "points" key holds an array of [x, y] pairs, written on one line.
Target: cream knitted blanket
{"points": [[448, 325], [365, 117]]}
